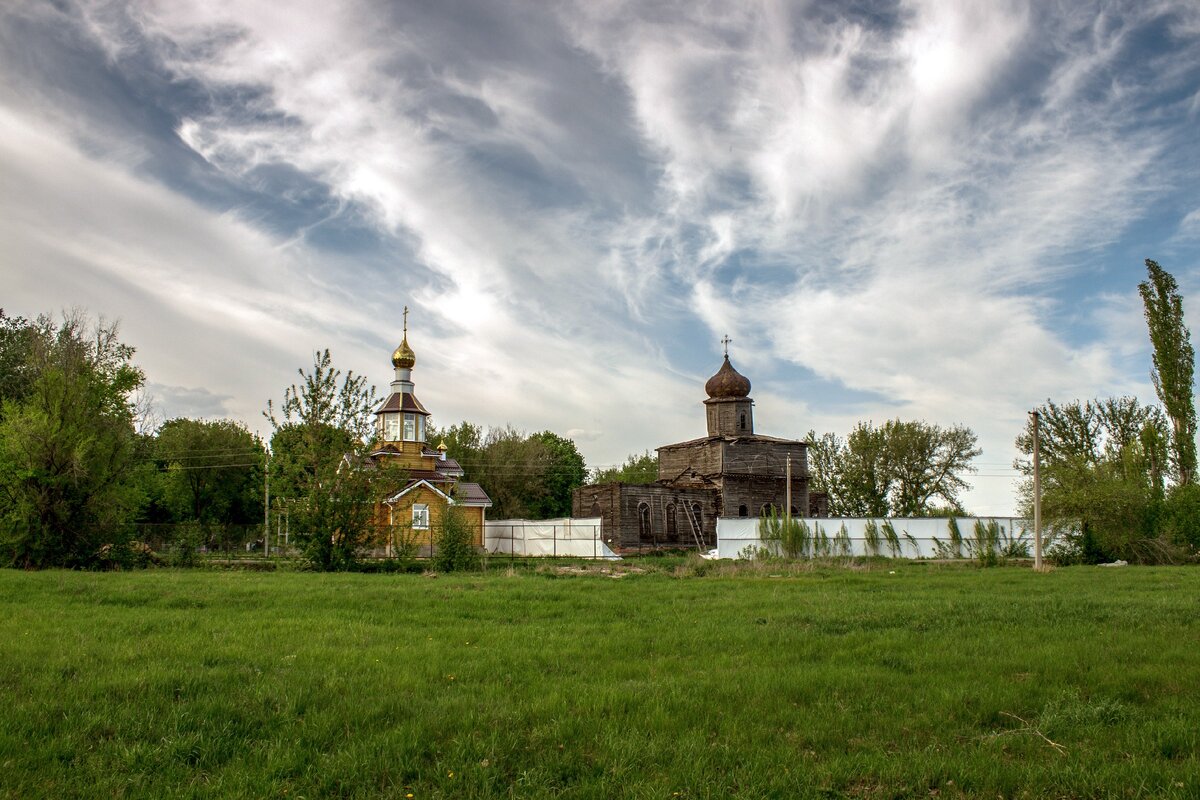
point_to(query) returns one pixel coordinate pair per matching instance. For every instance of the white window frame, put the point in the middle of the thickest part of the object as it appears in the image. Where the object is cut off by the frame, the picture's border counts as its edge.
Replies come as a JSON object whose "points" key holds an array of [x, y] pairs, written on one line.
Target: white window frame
{"points": [[410, 427], [420, 517], [391, 427]]}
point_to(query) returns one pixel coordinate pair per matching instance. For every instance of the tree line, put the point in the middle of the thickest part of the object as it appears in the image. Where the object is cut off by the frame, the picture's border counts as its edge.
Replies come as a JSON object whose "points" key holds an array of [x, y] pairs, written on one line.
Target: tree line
{"points": [[86, 476], [1119, 477]]}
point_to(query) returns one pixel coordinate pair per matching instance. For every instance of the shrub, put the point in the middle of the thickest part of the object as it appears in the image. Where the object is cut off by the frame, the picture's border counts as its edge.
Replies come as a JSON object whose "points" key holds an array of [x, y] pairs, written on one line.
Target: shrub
{"points": [[1179, 523], [871, 539], [986, 543], [455, 546], [890, 535], [792, 537], [842, 546]]}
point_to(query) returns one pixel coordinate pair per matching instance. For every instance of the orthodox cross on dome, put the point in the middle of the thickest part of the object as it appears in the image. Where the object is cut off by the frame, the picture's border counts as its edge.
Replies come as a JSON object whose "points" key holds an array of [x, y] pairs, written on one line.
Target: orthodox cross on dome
{"points": [[406, 321], [725, 340]]}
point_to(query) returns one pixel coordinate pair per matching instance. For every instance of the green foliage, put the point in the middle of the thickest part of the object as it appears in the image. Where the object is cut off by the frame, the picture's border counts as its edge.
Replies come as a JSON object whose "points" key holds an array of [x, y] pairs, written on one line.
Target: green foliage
{"points": [[986, 543], [822, 545], [563, 472], [872, 541], [790, 537], [1174, 365], [527, 477], [636, 469], [899, 469], [67, 441], [454, 549], [842, 546], [213, 470], [1180, 518], [317, 452], [1101, 477], [891, 537]]}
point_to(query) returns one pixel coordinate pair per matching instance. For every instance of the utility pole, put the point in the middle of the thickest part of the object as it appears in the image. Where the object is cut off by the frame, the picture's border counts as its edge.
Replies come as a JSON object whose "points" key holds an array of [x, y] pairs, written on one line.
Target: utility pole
{"points": [[1037, 495], [267, 506], [787, 494]]}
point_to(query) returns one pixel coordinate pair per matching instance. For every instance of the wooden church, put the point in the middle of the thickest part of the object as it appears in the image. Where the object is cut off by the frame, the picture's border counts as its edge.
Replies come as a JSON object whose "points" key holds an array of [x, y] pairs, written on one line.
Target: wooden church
{"points": [[433, 481]]}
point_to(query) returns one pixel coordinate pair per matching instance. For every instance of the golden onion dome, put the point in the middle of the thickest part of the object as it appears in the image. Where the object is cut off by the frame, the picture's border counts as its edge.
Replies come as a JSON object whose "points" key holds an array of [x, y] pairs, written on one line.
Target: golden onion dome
{"points": [[403, 357]]}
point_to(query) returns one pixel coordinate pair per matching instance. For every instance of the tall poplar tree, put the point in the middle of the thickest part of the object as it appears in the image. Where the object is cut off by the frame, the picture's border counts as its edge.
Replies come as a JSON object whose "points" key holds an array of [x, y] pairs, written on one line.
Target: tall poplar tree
{"points": [[1174, 364]]}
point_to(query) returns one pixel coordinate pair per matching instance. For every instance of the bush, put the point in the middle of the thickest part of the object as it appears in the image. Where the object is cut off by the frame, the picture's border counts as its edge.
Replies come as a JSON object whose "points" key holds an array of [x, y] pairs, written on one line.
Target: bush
{"points": [[1179, 523], [791, 537], [455, 545]]}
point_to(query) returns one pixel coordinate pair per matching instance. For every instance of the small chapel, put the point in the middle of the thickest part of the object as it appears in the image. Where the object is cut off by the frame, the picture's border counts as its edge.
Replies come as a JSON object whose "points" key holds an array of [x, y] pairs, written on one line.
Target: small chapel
{"points": [[731, 472], [433, 481]]}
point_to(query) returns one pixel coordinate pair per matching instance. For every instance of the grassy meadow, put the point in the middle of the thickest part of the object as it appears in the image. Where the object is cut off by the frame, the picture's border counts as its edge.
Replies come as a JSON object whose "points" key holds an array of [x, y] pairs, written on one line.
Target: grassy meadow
{"points": [[912, 680]]}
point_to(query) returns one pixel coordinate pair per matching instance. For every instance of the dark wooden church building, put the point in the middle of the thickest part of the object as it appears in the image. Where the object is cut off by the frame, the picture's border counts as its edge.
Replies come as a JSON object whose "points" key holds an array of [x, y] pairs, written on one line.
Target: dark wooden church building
{"points": [[731, 472]]}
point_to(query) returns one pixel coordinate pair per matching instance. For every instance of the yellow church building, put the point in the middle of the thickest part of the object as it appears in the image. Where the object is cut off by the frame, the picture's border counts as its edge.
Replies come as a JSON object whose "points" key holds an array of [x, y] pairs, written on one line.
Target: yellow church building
{"points": [[433, 481]]}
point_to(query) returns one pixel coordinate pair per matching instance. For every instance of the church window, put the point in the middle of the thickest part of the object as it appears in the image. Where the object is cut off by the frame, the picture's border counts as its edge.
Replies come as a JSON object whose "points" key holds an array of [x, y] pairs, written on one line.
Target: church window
{"points": [[420, 428], [742, 421], [644, 530], [391, 427], [410, 427], [672, 530], [420, 516], [743, 511], [696, 513]]}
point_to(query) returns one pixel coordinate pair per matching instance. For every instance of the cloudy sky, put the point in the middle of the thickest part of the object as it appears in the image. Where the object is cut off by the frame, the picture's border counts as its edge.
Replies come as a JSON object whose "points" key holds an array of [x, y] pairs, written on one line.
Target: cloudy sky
{"points": [[933, 210]]}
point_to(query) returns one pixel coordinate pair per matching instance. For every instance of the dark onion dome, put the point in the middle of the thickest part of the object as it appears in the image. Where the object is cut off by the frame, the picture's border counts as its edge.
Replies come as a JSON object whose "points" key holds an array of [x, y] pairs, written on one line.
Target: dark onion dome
{"points": [[728, 382], [403, 357]]}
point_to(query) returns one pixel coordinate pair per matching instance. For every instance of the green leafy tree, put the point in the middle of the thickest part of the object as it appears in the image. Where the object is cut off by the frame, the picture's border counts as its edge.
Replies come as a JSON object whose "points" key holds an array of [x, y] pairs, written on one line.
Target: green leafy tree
{"points": [[67, 440], [1174, 365], [321, 436], [903, 469], [637, 468], [824, 460], [563, 472], [526, 476], [213, 470], [1101, 475]]}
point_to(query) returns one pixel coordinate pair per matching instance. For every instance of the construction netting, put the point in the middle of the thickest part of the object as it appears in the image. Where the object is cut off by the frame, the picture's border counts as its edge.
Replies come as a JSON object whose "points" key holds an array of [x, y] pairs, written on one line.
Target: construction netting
{"points": [[566, 537]]}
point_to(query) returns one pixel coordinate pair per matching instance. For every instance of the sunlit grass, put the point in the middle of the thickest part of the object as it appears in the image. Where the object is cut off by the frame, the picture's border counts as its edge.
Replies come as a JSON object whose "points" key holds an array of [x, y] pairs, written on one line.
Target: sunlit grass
{"points": [[896, 681]]}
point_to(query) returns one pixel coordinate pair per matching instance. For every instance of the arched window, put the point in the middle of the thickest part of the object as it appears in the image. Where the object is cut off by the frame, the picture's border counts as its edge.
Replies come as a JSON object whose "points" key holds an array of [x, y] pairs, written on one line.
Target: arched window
{"points": [[742, 422], [644, 531], [672, 530], [743, 511]]}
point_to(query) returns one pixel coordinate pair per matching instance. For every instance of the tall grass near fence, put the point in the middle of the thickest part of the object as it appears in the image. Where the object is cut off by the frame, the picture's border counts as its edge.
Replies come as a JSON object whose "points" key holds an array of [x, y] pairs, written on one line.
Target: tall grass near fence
{"points": [[910, 681]]}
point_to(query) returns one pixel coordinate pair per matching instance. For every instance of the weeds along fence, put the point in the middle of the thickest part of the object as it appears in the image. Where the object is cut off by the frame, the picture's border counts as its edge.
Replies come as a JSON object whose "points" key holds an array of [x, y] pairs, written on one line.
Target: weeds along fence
{"points": [[190, 542], [981, 538]]}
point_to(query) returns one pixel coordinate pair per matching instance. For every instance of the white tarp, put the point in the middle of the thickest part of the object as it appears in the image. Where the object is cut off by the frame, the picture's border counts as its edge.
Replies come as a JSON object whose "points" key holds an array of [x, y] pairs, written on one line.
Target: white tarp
{"points": [[576, 538], [916, 537]]}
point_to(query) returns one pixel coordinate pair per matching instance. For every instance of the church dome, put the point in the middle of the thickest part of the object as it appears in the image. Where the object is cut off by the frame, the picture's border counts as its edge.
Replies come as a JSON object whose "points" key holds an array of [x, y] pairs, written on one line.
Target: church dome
{"points": [[403, 357], [728, 382]]}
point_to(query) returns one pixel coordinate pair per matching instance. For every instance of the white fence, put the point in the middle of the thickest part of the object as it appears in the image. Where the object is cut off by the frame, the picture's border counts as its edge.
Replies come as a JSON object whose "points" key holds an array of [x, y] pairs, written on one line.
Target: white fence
{"points": [[913, 537], [575, 538]]}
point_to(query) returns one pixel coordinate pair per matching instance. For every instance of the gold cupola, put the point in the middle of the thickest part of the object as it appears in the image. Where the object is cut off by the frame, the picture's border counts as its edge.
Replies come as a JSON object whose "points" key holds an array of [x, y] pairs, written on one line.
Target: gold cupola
{"points": [[403, 357]]}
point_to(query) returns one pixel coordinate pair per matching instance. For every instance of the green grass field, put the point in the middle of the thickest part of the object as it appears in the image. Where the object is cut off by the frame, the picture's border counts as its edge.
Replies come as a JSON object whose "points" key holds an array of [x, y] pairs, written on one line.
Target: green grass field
{"points": [[923, 682]]}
